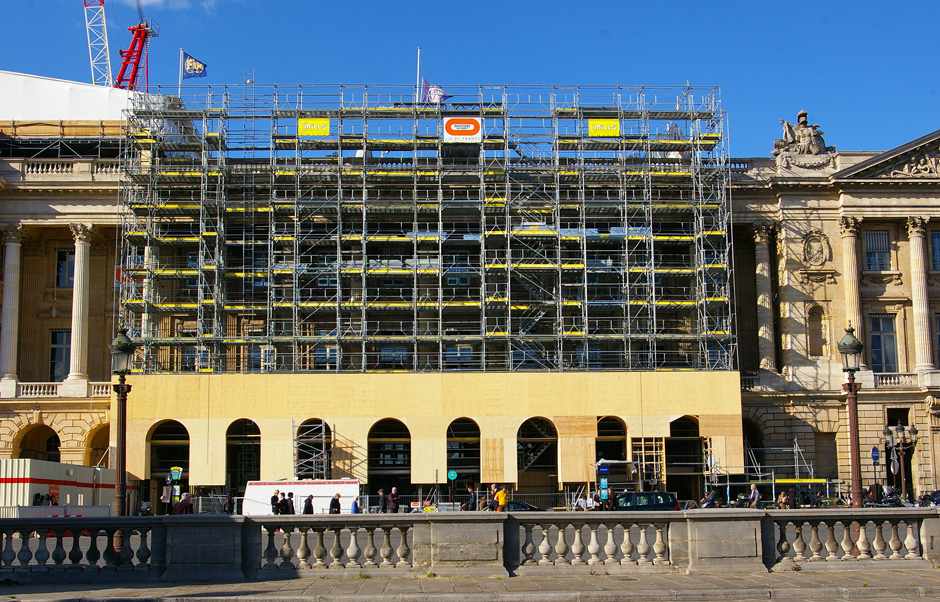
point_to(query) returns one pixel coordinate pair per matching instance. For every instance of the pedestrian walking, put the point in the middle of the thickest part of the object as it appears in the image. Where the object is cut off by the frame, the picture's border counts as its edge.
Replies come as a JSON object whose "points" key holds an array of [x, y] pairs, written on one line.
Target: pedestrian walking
{"points": [[383, 502], [184, 506], [308, 505], [792, 501], [502, 499], [753, 500], [471, 503], [282, 504], [334, 505], [392, 502], [354, 506], [275, 499]]}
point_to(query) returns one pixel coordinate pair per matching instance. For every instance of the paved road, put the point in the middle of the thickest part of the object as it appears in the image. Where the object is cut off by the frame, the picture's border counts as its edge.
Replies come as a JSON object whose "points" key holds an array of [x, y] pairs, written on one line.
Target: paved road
{"points": [[882, 585]]}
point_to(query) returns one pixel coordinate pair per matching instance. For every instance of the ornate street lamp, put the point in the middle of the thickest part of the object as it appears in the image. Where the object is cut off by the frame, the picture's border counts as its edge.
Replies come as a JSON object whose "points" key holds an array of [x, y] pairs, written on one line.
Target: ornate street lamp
{"points": [[899, 442], [122, 358], [851, 349]]}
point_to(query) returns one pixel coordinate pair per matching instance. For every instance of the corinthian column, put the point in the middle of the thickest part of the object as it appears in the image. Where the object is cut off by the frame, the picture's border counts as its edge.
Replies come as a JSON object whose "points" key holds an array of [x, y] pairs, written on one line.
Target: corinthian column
{"points": [[915, 233], [853, 308], [765, 311], [9, 330], [76, 385]]}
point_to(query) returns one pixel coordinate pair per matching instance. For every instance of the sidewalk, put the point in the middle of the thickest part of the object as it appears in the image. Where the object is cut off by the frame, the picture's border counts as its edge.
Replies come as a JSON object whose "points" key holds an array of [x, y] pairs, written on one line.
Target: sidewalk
{"points": [[881, 585]]}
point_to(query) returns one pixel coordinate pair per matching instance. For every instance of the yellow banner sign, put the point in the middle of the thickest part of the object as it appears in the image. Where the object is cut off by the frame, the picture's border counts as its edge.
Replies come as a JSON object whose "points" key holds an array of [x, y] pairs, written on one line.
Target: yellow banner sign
{"points": [[313, 127], [604, 128]]}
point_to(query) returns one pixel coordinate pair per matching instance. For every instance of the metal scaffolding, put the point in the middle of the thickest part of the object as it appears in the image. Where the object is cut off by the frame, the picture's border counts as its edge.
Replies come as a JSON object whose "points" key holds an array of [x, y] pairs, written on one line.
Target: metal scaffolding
{"points": [[348, 228]]}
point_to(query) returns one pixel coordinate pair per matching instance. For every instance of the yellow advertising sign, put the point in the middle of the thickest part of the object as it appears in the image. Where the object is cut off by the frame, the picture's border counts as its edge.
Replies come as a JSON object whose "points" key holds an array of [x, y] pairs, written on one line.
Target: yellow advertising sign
{"points": [[604, 128], [313, 127]]}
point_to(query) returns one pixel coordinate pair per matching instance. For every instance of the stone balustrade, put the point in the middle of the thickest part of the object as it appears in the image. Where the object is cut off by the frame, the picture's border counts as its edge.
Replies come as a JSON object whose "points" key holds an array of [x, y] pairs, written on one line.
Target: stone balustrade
{"points": [[885, 380], [37, 170], [237, 548], [811, 536], [27, 390]]}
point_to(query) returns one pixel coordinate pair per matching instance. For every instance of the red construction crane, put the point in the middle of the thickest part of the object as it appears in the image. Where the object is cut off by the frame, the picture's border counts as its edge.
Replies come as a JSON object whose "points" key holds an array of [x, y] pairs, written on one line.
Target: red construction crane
{"points": [[131, 74]]}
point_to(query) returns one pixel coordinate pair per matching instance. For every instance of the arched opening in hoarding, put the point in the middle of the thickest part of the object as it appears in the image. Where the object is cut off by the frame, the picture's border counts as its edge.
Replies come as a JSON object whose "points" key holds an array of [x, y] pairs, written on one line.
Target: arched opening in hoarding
{"points": [[390, 457], [463, 453], [611, 445], [685, 459], [242, 455], [313, 445], [537, 456]]}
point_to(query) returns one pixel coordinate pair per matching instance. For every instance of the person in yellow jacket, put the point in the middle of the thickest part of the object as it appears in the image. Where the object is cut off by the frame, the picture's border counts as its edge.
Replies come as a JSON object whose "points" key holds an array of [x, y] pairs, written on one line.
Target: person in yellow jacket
{"points": [[502, 498]]}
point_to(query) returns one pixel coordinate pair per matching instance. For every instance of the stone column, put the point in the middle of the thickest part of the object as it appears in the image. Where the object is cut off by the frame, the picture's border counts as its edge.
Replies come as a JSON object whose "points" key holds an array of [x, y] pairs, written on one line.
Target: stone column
{"points": [[76, 385], [10, 328], [915, 233], [765, 310], [853, 308]]}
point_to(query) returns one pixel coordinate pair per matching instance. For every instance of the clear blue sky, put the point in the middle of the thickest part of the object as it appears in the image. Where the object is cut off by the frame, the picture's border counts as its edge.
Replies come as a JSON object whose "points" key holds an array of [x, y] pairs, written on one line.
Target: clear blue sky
{"points": [[866, 71]]}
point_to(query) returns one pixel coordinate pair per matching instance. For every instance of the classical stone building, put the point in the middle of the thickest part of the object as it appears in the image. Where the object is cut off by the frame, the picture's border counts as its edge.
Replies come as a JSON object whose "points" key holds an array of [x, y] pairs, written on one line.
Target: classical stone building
{"points": [[253, 367], [833, 238]]}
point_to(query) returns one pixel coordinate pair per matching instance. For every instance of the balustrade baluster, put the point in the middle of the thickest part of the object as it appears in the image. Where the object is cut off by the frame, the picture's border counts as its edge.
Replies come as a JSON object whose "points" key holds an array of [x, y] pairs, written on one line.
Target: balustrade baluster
{"points": [[25, 554], [610, 548], [58, 553], [386, 551], [143, 549], [336, 551], [659, 547], [404, 552], [110, 553], [287, 552], [353, 551], [303, 551], [799, 545], [847, 543], [319, 551], [75, 554], [577, 547], [125, 558], [545, 548], [528, 548], [643, 547], [895, 542], [627, 546], [831, 545], [880, 545], [863, 544], [814, 544], [270, 552], [42, 553], [910, 541], [8, 556], [371, 550], [561, 547], [783, 546], [594, 547]]}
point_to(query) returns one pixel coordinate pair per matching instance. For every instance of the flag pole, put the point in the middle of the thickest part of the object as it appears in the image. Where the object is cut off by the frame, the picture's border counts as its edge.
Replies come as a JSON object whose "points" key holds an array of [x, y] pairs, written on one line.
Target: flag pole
{"points": [[179, 90], [418, 77]]}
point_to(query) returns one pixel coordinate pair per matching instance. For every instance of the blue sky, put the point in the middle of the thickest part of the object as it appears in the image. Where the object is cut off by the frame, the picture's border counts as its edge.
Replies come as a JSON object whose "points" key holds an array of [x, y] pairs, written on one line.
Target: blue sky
{"points": [[866, 71]]}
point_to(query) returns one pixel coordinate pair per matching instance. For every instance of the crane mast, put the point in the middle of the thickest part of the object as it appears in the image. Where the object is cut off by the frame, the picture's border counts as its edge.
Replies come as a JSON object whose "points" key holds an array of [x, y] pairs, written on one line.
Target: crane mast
{"points": [[97, 30]]}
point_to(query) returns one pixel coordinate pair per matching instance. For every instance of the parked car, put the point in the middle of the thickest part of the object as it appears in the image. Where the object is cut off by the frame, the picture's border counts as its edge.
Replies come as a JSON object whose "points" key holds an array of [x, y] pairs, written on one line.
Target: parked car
{"points": [[645, 501], [514, 506]]}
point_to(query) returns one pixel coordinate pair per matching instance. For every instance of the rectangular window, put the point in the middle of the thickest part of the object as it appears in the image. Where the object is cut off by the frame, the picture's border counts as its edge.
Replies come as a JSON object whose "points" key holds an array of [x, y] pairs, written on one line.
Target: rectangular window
{"points": [[65, 267], [884, 350], [877, 250], [60, 353], [935, 250]]}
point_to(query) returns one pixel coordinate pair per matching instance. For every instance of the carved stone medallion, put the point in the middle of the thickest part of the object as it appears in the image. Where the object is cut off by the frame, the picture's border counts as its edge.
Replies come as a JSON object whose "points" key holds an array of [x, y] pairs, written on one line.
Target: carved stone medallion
{"points": [[816, 248]]}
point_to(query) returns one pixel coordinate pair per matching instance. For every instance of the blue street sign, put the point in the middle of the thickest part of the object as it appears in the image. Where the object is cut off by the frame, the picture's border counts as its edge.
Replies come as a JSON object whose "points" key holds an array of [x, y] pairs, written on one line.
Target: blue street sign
{"points": [[603, 469], [875, 454], [452, 475]]}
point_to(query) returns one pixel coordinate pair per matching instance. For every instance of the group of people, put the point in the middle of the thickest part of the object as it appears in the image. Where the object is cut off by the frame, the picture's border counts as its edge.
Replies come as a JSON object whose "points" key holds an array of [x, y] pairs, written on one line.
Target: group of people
{"points": [[388, 503], [282, 503], [497, 500], [596, 502], [45, 500]]}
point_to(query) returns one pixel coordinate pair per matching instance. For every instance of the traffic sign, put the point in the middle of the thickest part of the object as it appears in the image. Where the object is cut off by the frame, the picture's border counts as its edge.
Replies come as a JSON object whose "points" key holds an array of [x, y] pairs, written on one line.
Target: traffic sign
{"points": [[875, 454], [603, 469], [452, 475]]}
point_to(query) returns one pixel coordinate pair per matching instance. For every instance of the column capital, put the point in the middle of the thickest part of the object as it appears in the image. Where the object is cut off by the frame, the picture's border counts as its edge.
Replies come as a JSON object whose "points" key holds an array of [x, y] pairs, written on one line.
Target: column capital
{"points": [[916, 226], [81, 232], [849, 225], [13, 233], [763, 231]]}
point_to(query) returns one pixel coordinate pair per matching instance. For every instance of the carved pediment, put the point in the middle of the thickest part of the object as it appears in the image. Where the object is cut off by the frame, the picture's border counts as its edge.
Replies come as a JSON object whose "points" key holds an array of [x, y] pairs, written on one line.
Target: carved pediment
{"points": [[916, 160]]}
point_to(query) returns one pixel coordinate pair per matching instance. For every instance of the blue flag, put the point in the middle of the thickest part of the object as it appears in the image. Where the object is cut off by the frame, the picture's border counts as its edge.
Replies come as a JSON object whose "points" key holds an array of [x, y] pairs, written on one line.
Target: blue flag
{"points": [[432, 94], [192, 67]]}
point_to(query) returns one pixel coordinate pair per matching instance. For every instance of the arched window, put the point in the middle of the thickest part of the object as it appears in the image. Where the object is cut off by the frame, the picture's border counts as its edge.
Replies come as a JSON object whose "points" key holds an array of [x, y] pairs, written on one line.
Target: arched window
{"points": [[390, 457], [242, 454], [815, 330]]}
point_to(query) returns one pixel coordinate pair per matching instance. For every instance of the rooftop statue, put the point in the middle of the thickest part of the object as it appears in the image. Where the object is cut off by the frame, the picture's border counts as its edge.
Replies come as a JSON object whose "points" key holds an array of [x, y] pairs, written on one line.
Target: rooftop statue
{"points": [[801, 138]]}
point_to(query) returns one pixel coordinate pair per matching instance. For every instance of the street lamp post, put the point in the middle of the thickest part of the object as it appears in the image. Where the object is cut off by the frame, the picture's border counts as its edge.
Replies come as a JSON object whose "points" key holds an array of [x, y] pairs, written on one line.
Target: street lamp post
{"points": [[122, 356], [851, 349], [899, 442]]}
